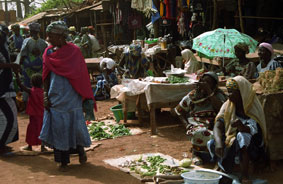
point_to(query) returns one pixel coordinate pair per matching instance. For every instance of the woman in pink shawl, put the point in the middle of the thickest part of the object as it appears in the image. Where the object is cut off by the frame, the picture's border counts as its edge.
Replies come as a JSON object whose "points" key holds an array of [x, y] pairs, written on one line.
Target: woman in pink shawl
{"points": [[66, 85]]}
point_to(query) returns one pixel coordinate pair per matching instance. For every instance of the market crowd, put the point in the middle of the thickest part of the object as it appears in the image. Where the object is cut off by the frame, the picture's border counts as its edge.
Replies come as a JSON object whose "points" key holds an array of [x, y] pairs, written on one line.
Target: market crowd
{"points": [[226, 128]]}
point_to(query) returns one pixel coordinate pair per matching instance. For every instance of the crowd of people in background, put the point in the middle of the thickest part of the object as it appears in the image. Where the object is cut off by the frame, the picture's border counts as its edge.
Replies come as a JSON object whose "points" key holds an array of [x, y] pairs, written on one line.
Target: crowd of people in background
{"points": [[85, 40]]}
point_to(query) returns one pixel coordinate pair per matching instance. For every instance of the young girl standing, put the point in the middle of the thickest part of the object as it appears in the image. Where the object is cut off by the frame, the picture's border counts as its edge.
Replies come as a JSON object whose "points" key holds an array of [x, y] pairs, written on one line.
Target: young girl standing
{"points": [[35, 110]]}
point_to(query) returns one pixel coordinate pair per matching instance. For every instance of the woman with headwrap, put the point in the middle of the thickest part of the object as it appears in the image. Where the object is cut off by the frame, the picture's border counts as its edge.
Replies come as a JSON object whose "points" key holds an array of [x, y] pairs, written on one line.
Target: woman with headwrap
{"points": [[241, 65], [197, 111], [135, 62], [191, 63], [8, 109], [106, 80], [265, 53], [31, 55], [66, 88], [240, 128], [16, 40]]}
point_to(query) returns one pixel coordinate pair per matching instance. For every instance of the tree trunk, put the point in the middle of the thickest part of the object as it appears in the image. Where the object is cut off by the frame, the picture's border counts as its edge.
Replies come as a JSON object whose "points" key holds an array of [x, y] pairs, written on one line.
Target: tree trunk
{"points": [[6, 13], [19, 9], [27, 8]]}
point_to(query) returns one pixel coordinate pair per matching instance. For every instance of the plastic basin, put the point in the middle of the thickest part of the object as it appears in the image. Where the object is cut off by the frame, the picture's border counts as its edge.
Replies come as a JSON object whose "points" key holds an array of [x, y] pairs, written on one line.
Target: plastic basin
{"points": [[118, 113], [201, 177]]}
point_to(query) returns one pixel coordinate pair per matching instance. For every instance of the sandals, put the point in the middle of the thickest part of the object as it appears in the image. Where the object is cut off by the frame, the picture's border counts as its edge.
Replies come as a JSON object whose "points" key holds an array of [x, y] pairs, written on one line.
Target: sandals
{"points": [[27, 148]]}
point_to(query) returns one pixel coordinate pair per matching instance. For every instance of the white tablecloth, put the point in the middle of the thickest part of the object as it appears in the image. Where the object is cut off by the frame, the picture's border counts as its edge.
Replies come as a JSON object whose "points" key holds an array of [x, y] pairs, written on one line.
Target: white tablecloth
{"points": [[154, 92]]}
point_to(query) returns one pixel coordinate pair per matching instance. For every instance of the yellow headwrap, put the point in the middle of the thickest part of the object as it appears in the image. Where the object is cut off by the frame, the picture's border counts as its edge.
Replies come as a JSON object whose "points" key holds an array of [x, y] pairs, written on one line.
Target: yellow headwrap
{"points": [[252, 108], [232, 84]]}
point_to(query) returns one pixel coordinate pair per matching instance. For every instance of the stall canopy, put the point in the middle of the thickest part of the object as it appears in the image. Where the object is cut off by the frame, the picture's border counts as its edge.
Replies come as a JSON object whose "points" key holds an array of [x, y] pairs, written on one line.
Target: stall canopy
{"points": [[33, 18], [91, 7]]}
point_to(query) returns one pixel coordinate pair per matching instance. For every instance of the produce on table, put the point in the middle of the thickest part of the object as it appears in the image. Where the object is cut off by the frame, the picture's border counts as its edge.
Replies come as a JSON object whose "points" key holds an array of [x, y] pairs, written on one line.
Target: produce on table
{"points": [[175, 79], [186, 162], [151, 166], [100, 130]]}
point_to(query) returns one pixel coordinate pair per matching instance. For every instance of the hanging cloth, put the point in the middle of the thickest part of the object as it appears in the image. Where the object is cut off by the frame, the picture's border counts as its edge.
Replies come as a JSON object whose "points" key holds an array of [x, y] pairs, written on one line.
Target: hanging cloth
{"points": [[173, 8], [188, 3], [167, 4], [181, 24], [155, 16], [161, 8], [184, 3], [118, 14]]}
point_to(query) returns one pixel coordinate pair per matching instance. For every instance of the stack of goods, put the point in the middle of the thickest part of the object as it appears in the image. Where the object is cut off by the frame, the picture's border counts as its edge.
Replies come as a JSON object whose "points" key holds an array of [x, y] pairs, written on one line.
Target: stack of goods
{"points": [[272, 80]]}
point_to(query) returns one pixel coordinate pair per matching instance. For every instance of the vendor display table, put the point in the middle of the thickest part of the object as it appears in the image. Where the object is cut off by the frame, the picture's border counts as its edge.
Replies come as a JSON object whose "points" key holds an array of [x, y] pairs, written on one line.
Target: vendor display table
{"points": [[156, 95]]}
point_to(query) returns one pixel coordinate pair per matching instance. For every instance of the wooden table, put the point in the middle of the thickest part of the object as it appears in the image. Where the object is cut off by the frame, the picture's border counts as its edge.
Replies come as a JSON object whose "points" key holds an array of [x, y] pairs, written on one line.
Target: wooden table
{"points": [[93, 66], [156, 95]]}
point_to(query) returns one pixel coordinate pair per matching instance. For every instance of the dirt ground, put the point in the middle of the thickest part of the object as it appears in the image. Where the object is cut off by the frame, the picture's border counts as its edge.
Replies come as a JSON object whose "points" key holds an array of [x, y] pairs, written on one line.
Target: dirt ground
{"points": [[171, 140]]}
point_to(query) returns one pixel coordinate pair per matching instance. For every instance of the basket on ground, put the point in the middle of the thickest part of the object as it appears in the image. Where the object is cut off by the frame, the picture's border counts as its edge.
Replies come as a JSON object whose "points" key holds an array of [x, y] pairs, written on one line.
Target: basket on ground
{"points": [[118, 113]]}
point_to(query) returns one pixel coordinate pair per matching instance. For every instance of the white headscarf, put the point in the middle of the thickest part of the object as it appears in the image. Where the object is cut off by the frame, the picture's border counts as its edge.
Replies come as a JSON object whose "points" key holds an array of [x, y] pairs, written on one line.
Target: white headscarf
{"points": [[252, 108], [191, 63], [110, 63]]}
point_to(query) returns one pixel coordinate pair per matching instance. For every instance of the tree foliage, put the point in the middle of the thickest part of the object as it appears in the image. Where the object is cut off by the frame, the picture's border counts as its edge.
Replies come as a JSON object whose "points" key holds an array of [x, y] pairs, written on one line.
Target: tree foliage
{"points": [[51, 4]]}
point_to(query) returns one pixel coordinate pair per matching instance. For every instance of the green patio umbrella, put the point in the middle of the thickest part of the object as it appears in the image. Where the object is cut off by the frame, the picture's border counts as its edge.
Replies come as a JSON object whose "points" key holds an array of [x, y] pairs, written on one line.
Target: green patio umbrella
{"points": [[221, 42]]}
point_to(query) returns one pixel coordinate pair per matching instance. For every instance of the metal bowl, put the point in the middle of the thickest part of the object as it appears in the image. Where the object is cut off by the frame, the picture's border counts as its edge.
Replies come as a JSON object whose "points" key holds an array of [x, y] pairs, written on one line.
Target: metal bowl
{"points": [[168, 73]]}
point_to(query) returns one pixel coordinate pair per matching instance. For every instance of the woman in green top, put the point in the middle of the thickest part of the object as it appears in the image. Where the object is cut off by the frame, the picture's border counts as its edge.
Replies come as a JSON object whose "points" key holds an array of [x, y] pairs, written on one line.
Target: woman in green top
{"points": [[241, 65]]}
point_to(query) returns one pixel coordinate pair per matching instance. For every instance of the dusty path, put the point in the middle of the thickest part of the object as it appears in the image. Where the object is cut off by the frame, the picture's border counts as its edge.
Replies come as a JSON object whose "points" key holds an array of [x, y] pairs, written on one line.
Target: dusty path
{"points": [[42, 168]]}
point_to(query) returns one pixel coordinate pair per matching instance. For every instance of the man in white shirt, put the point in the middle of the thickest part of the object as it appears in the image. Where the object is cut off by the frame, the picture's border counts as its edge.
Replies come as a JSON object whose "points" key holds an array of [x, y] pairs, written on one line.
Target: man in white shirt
{"points": [[95, 44]]}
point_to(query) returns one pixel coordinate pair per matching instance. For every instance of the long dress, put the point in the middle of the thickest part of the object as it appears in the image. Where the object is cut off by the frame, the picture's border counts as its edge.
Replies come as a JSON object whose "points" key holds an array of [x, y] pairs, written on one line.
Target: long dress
{"points": [[8, 109], [64, 126], [200, 117], [32, 64]]}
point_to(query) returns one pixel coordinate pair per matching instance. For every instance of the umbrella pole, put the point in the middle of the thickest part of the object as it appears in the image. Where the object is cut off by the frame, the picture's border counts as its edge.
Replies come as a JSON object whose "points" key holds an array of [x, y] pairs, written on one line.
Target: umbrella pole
{"points": [[223, 53]]}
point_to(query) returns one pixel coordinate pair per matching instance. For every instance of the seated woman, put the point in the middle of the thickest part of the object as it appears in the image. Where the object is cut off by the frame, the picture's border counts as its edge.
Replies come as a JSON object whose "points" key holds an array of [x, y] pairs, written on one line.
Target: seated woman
{"points": [[240, 129], [241, 65], [190, 61], [197, 111], [134, 62], [265, 53], [106, 80]]}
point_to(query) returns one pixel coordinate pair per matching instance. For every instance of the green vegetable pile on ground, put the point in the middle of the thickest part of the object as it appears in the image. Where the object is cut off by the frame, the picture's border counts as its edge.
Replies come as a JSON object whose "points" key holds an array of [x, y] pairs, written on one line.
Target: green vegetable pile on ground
{"points": [[175, 79], [119, 130], [99, 131], [151, 166]]}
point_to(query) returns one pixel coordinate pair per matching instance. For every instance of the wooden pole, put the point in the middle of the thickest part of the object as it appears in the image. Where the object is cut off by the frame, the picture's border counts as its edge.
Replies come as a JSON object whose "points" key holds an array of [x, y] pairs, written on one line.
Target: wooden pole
{"points": [[77, 23], [95, 22], [90, 17], [214, 14], [240, 15], [256, 17]]}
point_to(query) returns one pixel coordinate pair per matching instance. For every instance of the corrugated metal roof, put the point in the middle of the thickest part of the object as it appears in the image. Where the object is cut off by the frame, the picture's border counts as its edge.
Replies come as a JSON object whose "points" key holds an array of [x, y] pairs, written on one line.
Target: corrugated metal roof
{"points": [[33, 18]]}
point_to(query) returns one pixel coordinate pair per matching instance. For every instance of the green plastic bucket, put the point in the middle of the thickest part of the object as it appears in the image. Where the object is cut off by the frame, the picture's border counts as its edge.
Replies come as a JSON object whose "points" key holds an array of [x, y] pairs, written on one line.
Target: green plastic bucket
{"points": [[118, 113]]}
